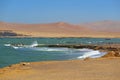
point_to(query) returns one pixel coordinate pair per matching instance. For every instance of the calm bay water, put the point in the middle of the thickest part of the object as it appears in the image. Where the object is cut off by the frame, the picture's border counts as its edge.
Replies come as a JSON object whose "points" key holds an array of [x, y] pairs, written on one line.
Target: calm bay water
{"points": [[9, 55]]}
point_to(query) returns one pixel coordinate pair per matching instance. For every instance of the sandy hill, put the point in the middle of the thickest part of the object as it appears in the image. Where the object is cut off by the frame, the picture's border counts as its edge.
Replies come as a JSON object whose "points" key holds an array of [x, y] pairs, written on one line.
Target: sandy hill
{"points": [[104, 26], [61, 29]]}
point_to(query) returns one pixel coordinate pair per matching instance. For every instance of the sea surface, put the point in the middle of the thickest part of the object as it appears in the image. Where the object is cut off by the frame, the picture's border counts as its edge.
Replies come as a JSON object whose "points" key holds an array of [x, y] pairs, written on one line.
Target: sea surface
{"points": [[10, 55]]}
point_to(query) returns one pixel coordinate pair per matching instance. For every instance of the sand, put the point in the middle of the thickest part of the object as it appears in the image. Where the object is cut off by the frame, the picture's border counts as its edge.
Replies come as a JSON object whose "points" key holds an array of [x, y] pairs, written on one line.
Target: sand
{"points": [[90, 69], [59, 29]]}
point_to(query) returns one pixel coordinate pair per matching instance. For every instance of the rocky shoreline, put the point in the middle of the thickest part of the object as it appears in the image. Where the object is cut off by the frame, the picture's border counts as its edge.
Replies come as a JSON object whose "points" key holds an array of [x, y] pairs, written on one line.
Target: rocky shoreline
{"points": [[113, 50], [105, 68]]}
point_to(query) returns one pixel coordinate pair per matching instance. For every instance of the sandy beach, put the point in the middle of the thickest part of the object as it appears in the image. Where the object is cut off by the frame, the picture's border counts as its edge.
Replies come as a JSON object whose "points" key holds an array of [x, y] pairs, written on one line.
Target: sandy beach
{"points": [[105, 68], [91, 69]]}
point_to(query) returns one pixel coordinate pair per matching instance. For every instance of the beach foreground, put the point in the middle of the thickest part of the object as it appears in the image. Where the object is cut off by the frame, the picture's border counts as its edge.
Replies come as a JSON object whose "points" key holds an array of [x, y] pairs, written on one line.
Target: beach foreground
{"points": [[89, 69]]}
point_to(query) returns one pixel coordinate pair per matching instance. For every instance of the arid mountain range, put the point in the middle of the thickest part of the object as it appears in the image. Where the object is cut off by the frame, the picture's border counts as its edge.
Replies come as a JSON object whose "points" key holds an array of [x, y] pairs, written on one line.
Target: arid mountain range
{"points": [[104, 26], [62, 29]]}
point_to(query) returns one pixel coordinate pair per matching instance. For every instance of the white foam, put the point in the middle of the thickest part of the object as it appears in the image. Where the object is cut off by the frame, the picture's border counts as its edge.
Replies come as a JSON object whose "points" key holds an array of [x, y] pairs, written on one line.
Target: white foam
{"points": [[7, 44], [56, 49], [91, 54], [80, 53], [85, 49], [41, 48], [34, 44]]}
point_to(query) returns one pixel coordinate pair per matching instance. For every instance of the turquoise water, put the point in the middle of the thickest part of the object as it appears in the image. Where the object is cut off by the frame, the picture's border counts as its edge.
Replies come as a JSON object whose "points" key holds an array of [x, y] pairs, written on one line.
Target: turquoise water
{"points": [[9, 55]]}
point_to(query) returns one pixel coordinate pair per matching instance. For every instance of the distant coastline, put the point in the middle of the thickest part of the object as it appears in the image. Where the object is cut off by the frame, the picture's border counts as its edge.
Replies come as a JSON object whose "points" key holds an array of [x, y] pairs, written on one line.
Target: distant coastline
{"points": [[11, 34], [61, 29]]}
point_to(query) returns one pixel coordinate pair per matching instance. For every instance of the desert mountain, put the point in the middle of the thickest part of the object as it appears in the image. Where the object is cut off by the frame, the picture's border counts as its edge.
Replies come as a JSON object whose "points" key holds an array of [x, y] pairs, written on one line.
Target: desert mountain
{"points": [[62, 29], [51, 29], [104, 26]]}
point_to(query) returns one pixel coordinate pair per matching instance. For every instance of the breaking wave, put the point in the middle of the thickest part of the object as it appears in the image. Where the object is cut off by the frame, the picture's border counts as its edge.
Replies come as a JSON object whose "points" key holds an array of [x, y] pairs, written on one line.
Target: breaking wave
{"points": [[71, 53], [92, 54], [80, 53], [40, 49]]}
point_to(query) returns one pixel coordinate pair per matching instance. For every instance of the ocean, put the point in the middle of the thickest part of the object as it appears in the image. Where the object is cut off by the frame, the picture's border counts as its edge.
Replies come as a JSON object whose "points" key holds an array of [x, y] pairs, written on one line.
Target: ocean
{"points": [[10, 55]]}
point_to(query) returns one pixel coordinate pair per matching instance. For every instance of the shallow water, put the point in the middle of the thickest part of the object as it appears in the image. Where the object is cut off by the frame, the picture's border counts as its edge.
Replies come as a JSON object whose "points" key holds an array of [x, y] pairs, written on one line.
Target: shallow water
{"points": [[9, 55]]}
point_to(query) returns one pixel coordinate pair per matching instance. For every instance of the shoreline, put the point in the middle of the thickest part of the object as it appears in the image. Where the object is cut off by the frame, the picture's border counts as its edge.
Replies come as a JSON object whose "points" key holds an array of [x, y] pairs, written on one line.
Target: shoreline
{"points": [[104, 68], [90, 69], [112, 50], [56, 37]]}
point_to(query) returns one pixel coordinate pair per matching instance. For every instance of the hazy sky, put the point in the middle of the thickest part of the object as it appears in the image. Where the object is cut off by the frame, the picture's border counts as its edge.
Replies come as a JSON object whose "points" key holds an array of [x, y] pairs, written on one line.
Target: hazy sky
{"points": [[47, 11]]}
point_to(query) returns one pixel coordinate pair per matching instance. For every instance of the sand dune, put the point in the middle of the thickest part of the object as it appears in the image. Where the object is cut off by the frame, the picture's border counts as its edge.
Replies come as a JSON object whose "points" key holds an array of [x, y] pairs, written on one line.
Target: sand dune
{"points": [[104, 26], [61, 29]]}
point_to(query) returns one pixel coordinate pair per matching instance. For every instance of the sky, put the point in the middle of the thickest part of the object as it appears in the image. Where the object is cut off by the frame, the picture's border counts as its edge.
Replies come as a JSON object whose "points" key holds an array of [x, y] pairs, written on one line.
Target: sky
{"points": [[49, 11]]}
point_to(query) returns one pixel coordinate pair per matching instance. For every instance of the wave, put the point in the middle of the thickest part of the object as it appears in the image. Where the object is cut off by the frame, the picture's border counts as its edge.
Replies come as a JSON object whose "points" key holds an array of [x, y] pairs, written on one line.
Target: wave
{"points": [[85, 49], [51, 49], [92, 54], [81, 53], [34, 44], [77, 53], [41, 48], [7, 44]]}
